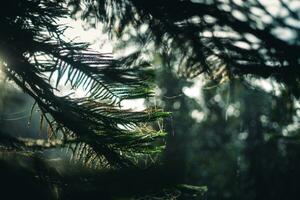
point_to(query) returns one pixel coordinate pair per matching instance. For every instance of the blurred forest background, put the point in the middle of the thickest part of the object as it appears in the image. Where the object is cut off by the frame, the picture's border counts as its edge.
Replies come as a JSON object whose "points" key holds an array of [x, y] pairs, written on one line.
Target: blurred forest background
{"points": [[227, 71]]}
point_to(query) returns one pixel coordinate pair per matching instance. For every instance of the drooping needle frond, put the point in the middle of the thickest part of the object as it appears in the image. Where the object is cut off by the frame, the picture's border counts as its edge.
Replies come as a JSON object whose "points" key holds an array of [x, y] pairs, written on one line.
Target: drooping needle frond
{"points": [[36, 53]]}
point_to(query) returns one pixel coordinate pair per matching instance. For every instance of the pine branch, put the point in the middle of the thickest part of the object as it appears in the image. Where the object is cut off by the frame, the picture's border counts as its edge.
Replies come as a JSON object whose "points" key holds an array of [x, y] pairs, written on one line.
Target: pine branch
{"points": [[34, 51]]}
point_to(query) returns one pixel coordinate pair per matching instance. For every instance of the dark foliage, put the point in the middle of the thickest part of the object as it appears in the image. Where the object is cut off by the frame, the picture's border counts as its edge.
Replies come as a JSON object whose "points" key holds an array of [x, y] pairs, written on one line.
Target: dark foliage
{"points": [[224, 39], [34, 54], [37, 58]]}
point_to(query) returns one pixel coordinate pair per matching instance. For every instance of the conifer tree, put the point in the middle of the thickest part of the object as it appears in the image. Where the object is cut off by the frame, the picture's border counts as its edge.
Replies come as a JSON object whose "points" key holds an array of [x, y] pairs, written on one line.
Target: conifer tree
{"points": [[222, 39], [36, 57]]}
